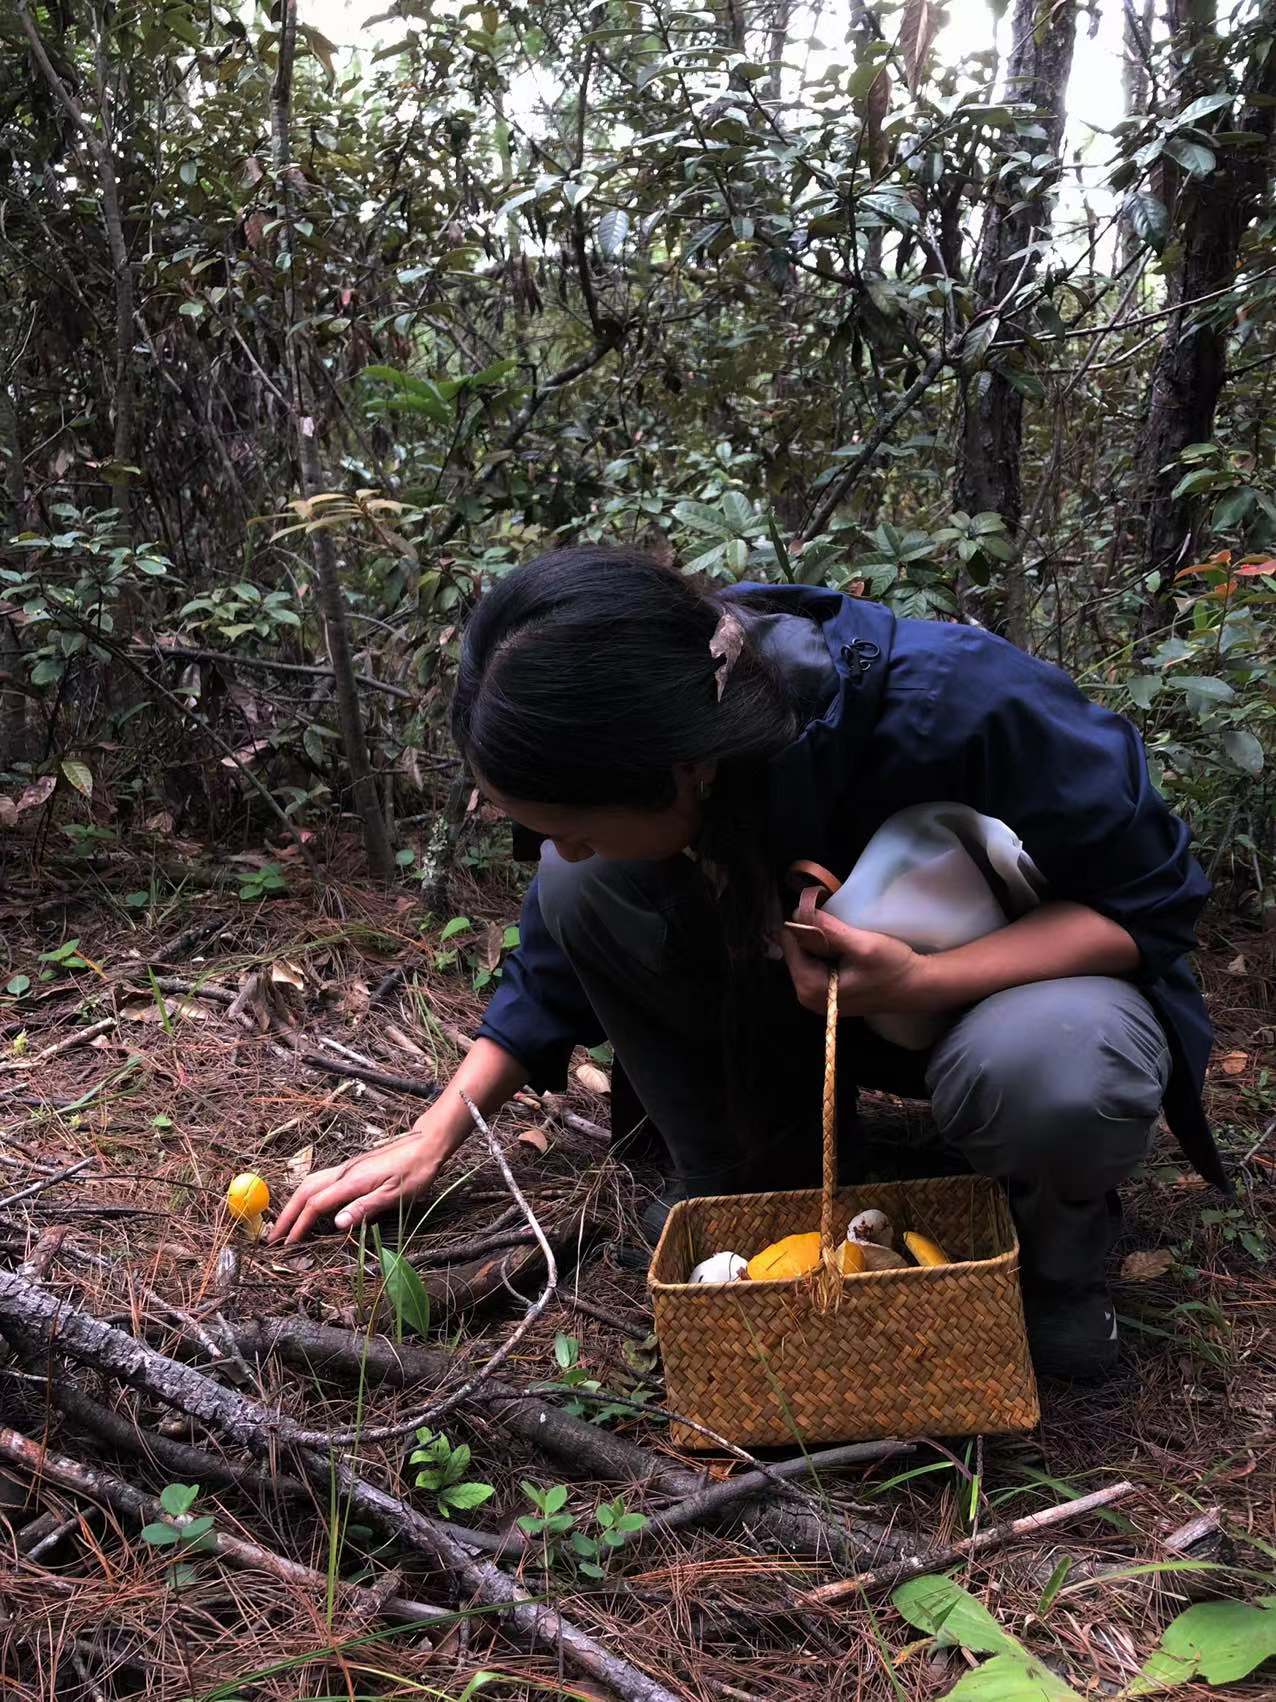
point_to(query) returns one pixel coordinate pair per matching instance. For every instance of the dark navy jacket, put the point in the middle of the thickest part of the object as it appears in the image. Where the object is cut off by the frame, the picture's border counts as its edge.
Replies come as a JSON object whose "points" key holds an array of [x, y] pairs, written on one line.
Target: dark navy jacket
{"points": [[918, 712]]}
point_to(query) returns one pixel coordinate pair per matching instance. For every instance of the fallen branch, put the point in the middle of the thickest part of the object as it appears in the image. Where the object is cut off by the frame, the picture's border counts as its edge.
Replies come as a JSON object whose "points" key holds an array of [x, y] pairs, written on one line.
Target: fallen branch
{"points": [[939, 1559], [27, 1310], [80, 1037], [97, 1484], [44, 1182], [265, 665], [718, 1497], [435, 1410], [582, 1448]]}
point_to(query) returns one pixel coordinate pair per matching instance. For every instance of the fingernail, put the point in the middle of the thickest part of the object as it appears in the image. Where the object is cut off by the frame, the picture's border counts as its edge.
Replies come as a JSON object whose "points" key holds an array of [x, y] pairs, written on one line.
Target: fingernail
{"points": [[343, 1220]]}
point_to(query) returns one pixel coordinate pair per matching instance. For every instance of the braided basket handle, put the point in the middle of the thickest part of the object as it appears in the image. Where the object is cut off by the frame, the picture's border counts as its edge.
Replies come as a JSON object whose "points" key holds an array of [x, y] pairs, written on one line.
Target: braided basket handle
{"points": [[828, 1193]]}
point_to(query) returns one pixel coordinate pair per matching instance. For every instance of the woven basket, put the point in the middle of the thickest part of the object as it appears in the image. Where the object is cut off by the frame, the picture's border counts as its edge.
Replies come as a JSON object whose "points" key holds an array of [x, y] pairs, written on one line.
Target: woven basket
{"points": [[939, 1350]]}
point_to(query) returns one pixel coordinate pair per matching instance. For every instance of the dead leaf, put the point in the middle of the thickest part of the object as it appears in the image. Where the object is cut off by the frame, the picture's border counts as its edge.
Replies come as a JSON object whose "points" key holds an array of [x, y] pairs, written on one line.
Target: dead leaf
{"points": [[299, 1166], [148, 1010], [37, 793], [8, 813], [921, 20], [536, 1138], [1146, 1267], [1234, 1063], [592, 1079], [285, 974], [1238, 966], [493, 936]]}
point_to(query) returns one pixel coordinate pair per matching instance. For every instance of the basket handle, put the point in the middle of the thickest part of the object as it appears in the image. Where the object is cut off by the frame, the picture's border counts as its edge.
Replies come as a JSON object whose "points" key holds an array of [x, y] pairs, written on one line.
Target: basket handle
{"points": [[828, 1252]]}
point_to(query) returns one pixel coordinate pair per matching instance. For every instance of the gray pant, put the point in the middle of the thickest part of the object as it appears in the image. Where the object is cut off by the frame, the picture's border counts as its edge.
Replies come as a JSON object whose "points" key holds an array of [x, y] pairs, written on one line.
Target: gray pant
{"points": [[1053, 1088]]}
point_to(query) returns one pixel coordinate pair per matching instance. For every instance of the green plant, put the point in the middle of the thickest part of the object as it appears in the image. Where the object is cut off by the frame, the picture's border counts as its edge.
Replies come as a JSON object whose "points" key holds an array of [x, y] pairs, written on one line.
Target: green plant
{"points": [[404, 1289], [1218, 1642], [233, 611], [266, 882], [1237, 1228], [585, 1553], [443, 1468], [65, 956], [576, 1377], [187, 1537], [550, 1522]]}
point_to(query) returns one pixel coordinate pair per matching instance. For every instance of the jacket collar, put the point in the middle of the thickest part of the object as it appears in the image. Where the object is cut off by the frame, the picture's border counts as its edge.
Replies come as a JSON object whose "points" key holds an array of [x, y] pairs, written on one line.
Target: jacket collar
{"points": [[808, 780]]}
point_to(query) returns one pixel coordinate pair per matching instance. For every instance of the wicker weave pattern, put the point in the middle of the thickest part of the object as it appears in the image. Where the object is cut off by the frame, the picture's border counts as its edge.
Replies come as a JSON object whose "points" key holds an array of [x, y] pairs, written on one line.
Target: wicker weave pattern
{"points": [[903, 1352]]}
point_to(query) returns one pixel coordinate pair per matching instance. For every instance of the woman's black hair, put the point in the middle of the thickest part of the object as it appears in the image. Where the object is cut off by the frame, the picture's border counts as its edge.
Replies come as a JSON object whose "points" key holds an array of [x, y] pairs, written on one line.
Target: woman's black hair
{"points": [[586, 676]]}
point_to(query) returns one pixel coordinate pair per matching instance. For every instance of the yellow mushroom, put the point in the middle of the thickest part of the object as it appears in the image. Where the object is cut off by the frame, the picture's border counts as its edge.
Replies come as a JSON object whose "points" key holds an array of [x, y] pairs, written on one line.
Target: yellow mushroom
{"points": [[247, 1199], [794, 1256], [924, 1250]]}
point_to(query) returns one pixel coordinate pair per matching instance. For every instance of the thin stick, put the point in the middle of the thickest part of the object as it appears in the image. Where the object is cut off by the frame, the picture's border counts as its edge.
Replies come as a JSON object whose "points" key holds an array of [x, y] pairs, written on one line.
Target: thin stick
{"points": [[81, 1037], [48, 1181], [436, 1409], [938, 1559]]}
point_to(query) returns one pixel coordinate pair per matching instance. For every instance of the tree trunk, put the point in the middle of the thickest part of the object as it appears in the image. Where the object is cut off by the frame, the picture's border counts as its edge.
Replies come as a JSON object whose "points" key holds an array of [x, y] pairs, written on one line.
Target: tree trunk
{"points": [[988, 467], [777, 41], [1136, 48], [376, 837], [1188, 376], [101, 153]]}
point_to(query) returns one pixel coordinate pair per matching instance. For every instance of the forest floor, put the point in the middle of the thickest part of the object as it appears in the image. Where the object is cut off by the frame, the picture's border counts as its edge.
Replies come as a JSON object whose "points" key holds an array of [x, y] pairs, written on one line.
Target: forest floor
{"points": [[131, 1092]]}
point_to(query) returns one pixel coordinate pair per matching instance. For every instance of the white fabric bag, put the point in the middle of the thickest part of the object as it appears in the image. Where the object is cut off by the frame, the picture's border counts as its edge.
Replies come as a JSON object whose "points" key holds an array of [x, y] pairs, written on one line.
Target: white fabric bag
{"points": [[936, 876]]}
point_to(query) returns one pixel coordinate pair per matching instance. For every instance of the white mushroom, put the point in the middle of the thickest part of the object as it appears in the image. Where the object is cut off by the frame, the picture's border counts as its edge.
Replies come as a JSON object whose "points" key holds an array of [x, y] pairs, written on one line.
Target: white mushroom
{"points": [[722, 1267], [873, 1227]]}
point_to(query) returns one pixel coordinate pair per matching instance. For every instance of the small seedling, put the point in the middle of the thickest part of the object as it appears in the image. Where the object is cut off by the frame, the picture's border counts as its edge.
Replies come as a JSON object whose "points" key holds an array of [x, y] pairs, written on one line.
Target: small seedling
{"points": [[575, 1376], [65, 956], [266, 882], [443, 1468], [177, 1500], [549, 1523], [404, 1290], [587, 1554], [19, 985]]}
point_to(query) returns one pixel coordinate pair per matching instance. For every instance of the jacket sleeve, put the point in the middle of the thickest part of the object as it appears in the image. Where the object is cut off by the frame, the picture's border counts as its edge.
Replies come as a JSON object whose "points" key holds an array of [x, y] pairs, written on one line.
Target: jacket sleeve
{"points": [[539, 1011], [1072, 780]]}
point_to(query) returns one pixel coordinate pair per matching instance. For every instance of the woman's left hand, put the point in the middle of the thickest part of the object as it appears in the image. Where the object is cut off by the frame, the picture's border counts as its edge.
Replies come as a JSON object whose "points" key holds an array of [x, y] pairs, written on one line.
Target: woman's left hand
{"points": [[876, 973]]}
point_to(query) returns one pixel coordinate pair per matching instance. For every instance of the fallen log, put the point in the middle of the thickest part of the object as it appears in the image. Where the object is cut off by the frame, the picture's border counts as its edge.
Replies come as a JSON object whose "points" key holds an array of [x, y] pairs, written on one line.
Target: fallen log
{"points": [[95, 1483], [29, 1311]]}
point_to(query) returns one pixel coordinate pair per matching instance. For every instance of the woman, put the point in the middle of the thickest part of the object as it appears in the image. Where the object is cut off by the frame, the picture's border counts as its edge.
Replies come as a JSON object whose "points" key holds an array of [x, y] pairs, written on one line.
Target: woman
{"points": [[676, 763]]}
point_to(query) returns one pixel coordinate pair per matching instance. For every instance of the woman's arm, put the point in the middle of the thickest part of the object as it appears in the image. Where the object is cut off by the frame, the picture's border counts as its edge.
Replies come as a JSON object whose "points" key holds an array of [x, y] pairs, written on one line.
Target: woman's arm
{"points": [[878, 974], [374, 1181]]}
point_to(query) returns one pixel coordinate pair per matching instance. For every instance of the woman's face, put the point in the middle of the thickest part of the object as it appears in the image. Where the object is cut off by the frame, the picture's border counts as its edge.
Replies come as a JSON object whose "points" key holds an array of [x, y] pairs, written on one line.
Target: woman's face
{"points": [[579, 831]]}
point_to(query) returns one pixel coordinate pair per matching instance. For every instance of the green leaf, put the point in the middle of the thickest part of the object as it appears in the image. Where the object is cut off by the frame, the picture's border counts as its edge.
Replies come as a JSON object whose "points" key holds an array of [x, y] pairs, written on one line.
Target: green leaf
{"points": [[406, 1292], [556, 1498], [1143, 688], [566, 1351], [510, 937], [1195, 158], [160, 1535], [18, 986], [701, 518], [1220, 1642], [1012, 1678], [79, 776], [466, 1496], [1244, 749], [1201, 108], [456, 926], [1149, 219], [188, 171], [942, 1608], [613, 230], [1202, 690], [1232, 508], [197, 1528], [179, 1498]]}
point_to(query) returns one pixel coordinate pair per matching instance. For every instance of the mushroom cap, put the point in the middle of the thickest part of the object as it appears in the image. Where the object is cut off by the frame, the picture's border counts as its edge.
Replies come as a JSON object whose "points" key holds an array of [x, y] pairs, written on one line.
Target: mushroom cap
{"points": [[871, 1225], [247, 1196]]}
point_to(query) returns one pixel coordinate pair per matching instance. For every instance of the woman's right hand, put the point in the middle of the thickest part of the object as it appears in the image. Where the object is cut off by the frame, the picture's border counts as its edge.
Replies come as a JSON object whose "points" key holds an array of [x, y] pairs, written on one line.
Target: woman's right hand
{"points": [[363, 1186], [373, 1182]]}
